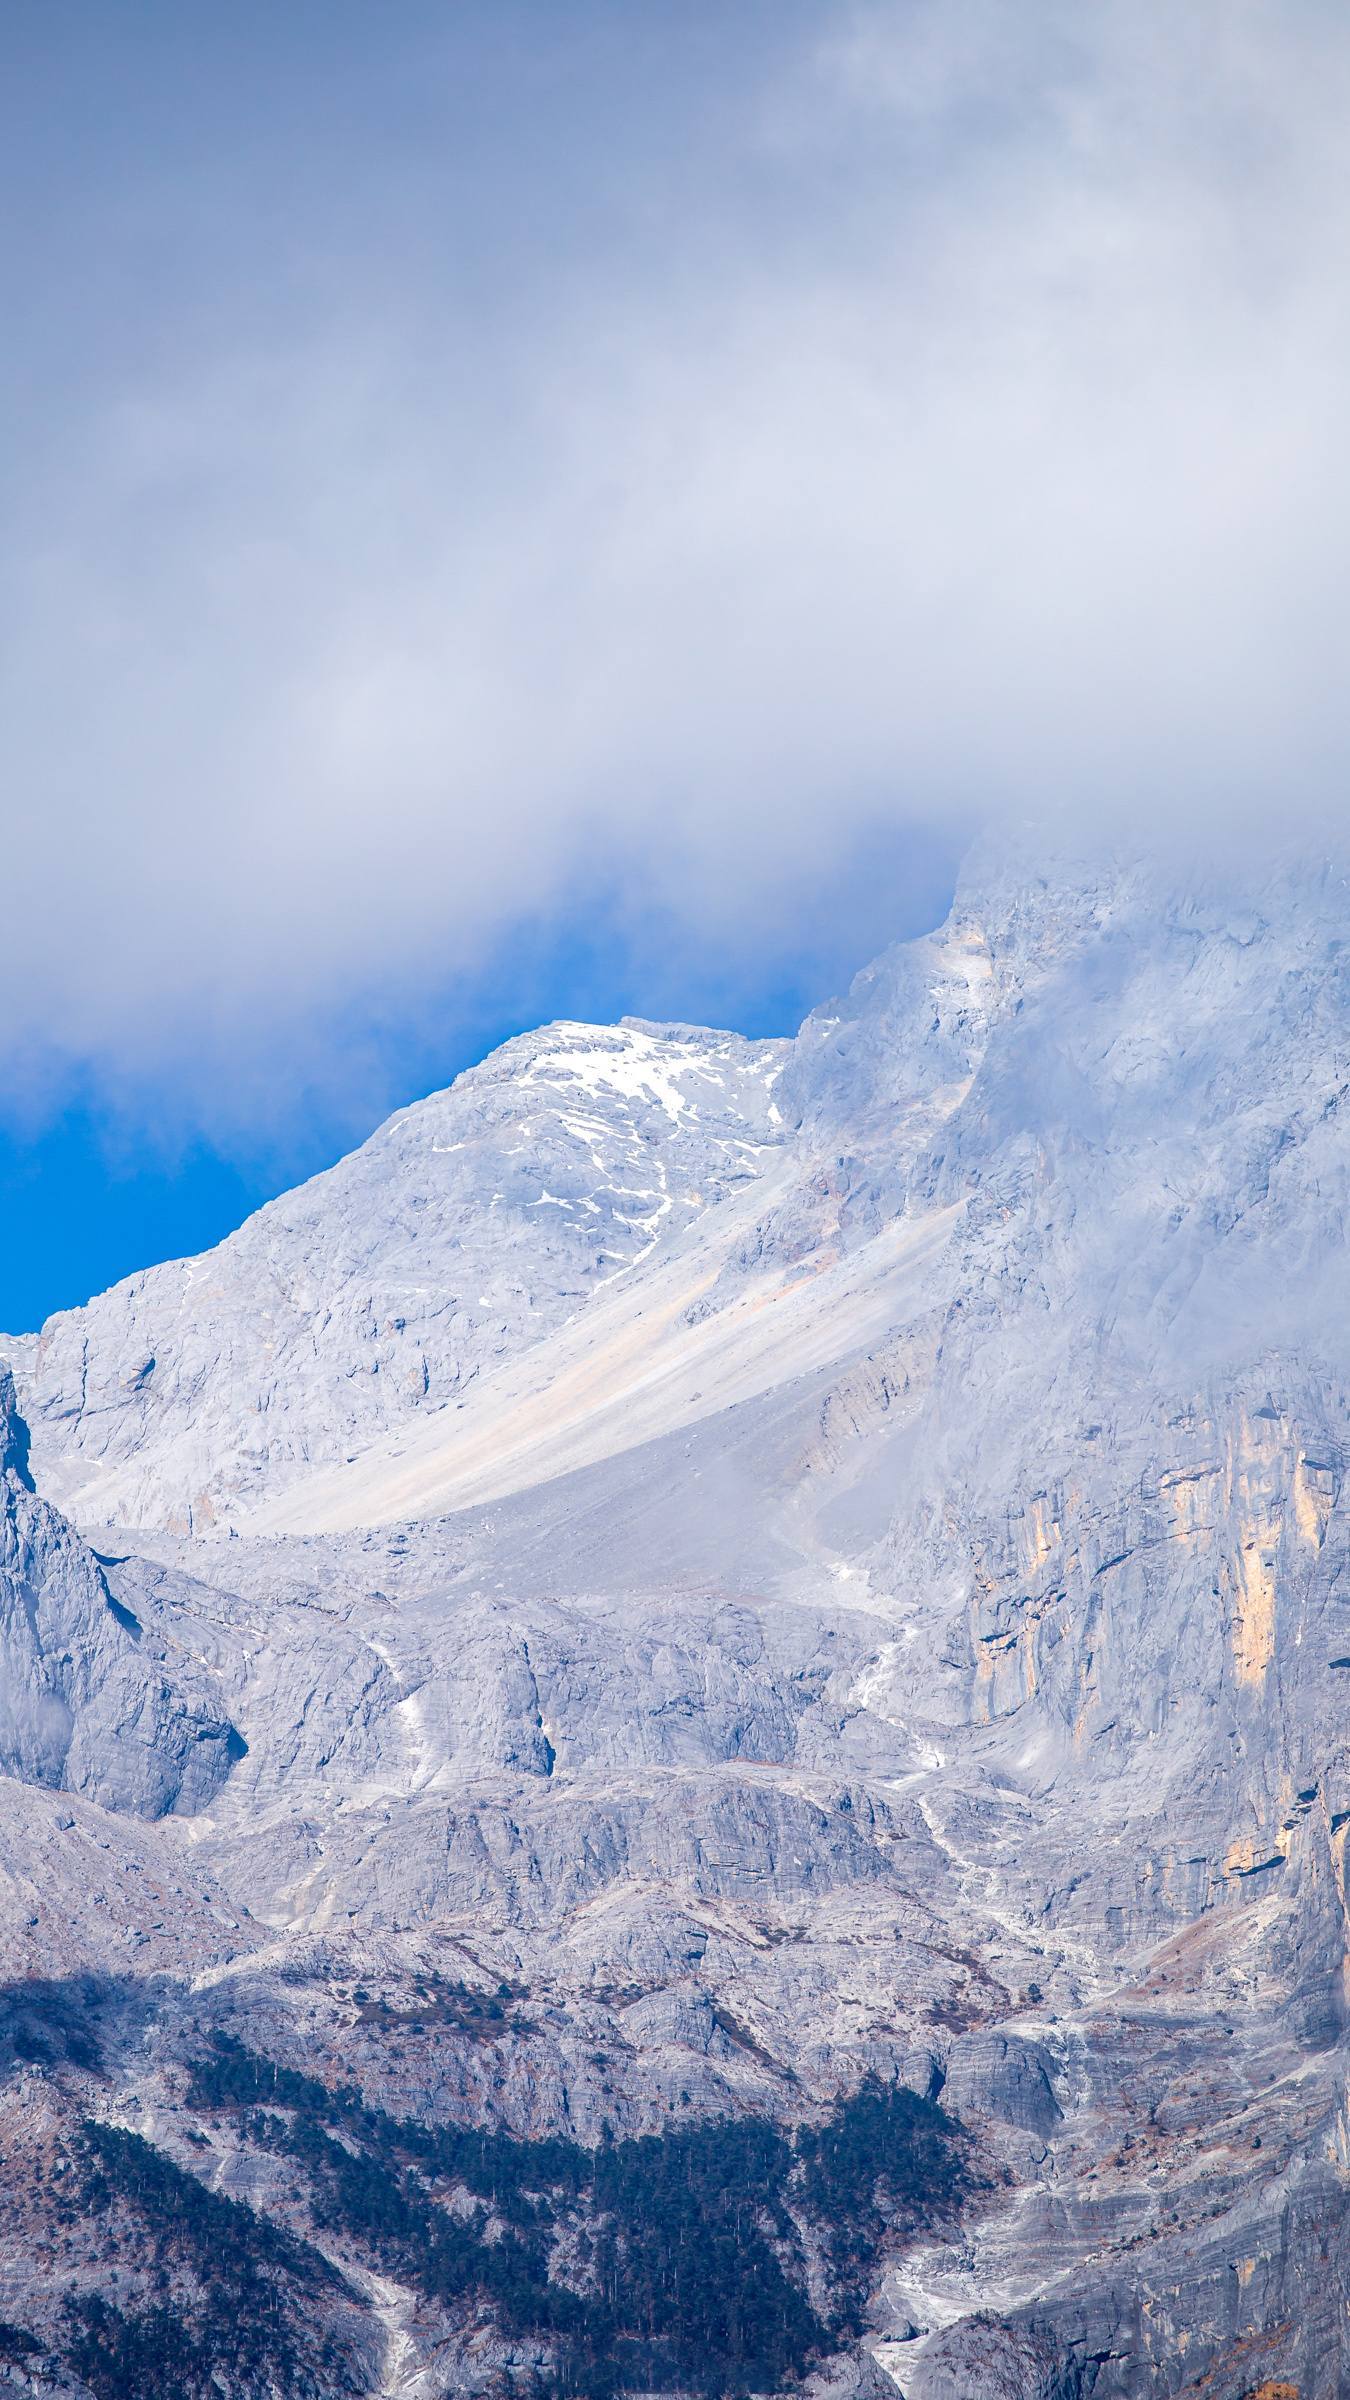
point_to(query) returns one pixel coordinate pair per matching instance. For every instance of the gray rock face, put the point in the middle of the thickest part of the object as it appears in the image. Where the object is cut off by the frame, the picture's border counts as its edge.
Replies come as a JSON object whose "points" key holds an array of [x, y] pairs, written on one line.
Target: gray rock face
{"points": [[868, 1595], [86, 1704]]}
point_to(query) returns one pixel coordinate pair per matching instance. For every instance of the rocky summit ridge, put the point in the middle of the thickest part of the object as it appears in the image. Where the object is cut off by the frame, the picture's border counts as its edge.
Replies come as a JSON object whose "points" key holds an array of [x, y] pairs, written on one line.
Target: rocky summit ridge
{"points": [[757, 1801]]}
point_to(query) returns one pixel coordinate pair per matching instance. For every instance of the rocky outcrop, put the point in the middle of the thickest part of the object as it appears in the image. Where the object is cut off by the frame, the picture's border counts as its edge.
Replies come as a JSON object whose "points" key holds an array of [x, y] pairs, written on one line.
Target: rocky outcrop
{"points": [[88, 1704]]}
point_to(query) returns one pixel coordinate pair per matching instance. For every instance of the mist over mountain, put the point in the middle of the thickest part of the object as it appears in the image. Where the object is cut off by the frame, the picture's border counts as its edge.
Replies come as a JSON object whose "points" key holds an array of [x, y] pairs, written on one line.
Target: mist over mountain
{"points": [[524, 470], [686, 1729]]}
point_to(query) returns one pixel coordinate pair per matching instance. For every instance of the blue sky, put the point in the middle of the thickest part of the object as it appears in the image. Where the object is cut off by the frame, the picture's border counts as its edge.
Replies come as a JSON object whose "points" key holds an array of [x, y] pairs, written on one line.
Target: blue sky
{"points": [[513, 511]]}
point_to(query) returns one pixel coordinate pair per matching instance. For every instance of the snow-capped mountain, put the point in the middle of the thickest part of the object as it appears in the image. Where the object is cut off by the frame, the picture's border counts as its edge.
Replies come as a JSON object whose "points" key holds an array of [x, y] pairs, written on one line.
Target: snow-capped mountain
{"points": [[810, 1579]]}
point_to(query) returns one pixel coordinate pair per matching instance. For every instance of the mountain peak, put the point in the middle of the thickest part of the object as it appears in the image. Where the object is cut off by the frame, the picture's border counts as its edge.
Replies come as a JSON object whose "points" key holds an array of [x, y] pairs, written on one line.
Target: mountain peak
{"points": [[468, 1227]]}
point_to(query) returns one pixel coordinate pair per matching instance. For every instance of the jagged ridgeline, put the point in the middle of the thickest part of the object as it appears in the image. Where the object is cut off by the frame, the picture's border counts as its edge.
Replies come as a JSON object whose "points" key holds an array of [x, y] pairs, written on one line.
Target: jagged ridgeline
{"points": [[717, 2258]]}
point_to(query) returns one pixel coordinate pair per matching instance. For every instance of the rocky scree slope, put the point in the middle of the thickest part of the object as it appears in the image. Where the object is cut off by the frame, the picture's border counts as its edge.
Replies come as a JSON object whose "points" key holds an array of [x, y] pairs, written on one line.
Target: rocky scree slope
{"points": [[940, 1706]]}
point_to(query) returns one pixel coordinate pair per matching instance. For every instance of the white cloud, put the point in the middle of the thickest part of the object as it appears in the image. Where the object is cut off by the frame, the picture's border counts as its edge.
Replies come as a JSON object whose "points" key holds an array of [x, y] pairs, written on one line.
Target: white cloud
{"points": [[979, 444]]}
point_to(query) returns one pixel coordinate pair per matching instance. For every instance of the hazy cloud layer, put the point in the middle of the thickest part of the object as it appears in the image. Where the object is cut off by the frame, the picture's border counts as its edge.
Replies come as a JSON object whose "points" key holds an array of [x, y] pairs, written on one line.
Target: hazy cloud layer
{"points": [[898, 413]]}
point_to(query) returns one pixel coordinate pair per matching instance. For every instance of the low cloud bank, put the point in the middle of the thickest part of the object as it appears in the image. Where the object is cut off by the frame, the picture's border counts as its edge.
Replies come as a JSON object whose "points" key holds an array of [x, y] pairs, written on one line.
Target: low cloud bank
{"points": [[943, 417]]}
